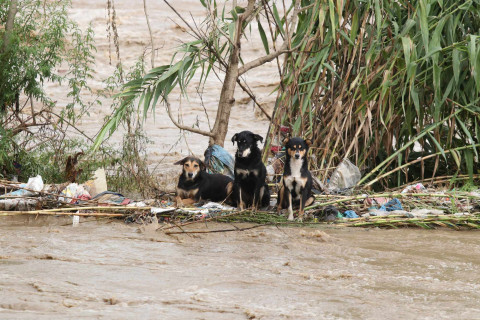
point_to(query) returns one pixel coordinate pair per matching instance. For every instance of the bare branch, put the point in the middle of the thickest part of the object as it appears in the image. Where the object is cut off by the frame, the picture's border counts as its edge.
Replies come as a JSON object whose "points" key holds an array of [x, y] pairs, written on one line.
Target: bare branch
{"points": [[184, 21], [183, 127], [249, 10], [259, 61], [149, 31]]}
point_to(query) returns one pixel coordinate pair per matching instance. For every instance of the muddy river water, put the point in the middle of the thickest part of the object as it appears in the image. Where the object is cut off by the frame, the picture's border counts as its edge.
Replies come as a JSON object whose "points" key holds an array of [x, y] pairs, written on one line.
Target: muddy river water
{"points": [[51, 270]]}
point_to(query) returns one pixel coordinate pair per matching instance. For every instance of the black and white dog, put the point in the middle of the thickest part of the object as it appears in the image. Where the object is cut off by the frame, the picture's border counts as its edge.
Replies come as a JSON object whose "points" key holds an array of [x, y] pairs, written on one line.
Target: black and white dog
{"points": [[296, 189], [249, 188]]}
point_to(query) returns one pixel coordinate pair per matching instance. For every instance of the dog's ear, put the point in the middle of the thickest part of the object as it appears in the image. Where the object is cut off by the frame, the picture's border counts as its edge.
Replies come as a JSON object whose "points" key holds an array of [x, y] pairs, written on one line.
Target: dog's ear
{"points": [[181, 162], [285, 141], [202, 165], [308, 142], [257, 137], [234, 138]]}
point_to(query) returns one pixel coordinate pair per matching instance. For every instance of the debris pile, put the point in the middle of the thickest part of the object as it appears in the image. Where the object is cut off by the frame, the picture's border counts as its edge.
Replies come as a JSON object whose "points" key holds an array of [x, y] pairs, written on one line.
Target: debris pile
{"points": [[412, 206]]}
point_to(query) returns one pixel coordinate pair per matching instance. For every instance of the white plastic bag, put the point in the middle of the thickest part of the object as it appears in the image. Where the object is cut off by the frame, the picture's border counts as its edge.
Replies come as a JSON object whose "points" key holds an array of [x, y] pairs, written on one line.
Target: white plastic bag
{"points": [[345, 176]]}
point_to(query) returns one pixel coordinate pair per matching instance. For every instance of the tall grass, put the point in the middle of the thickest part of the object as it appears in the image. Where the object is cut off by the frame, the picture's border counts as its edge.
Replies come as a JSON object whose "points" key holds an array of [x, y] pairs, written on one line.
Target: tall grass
{"points": [[372, 78]]}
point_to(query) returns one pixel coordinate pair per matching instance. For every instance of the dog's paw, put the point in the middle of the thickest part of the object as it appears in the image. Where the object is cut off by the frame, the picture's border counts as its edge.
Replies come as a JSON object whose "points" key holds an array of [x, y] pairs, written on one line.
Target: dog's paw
{"points": [[179, 204], [290, 217]]}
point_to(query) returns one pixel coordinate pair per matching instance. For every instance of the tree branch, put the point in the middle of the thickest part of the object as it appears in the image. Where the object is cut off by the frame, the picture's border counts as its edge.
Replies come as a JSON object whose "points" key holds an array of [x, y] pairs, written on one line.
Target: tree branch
{"points": [[259, 61], [183, 127], [149, 31], [12, 11], [269, 57]]}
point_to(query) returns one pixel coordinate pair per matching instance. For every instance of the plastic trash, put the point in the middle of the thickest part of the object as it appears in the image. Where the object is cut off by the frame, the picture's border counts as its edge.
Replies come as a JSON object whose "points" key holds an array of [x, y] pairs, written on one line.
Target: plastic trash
{"points": [[420, 213], [376, 201], [98, 184], [75, 220], [270, 173], [33, 184], [345, 177], [73, 192], [218, 160], [350, 214], [217, 207], [156, 210], [115, 198], [329, 213], [392, 205], [18, 204], [414, 188]]}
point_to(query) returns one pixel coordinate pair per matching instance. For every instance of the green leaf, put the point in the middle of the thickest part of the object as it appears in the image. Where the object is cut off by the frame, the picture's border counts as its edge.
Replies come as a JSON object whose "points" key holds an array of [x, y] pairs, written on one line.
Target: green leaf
{"points": [[472, 56], [355, 27], [467, 133], [469, 162], [378, 17], [331, 10], [263, 36], [456, 64], [407, 48], [231, 30], [456, 157], [344, 35], [424, 23], [277, 19], [409, 24], [437, 144]]}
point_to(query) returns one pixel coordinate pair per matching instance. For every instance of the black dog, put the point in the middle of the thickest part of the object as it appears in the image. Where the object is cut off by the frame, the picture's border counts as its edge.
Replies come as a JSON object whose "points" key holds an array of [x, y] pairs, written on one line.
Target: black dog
{"points": [[195, 184], [296, 186], [249, 188]]}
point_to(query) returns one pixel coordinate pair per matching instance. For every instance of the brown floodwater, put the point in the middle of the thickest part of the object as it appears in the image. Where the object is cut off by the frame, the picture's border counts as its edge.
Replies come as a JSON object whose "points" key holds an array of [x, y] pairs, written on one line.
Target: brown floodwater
{"points": [[50, 270]]}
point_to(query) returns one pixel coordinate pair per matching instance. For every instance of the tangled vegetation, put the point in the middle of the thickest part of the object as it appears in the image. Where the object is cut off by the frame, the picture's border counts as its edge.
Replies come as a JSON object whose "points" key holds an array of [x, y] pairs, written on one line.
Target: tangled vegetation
{"points": [[391, 85], [36, 38]]}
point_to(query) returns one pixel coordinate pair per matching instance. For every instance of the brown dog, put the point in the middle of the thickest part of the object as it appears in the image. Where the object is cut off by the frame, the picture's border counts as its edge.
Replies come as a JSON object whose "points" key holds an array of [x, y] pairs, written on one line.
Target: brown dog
{"points": [[195, 184]]}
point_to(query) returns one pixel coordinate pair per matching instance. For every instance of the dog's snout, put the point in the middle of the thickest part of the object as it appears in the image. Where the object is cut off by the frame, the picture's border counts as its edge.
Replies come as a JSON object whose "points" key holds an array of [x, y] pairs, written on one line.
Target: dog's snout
{"points": [[190, 174], [297, 155]]}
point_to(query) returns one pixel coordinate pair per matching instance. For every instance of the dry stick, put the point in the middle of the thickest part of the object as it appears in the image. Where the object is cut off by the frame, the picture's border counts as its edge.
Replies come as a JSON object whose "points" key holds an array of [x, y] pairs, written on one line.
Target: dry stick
{"points": [[222, 230], [203, 220], [179, 227], [97, 208], [40, 212], [183, 127], [149, 31]]}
